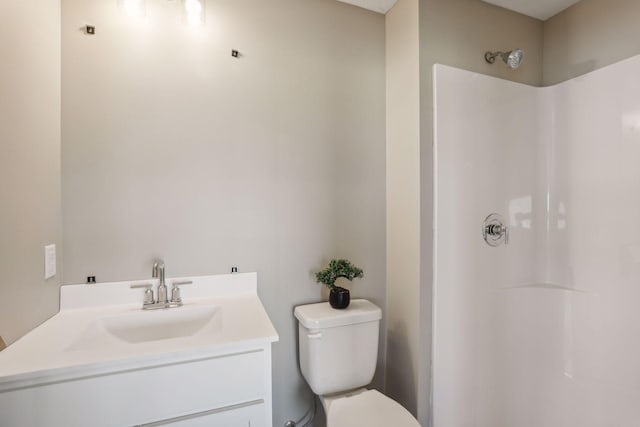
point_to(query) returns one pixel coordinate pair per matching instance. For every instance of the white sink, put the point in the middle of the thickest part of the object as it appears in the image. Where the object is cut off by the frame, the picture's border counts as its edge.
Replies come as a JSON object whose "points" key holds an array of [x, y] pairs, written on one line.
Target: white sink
{"points": [[104, 345], [102, 328], [142, 326], [156, 325]]}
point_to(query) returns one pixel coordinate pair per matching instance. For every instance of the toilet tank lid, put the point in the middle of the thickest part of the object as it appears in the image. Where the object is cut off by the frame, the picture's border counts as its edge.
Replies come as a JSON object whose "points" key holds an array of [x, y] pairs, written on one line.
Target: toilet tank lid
{"points": [[322, 315]]}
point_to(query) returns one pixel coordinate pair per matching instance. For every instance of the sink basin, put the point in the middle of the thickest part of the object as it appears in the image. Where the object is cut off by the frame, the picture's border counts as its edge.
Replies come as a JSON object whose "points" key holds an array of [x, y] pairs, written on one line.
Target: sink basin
{"points": [[159, 325], [140, 326]]}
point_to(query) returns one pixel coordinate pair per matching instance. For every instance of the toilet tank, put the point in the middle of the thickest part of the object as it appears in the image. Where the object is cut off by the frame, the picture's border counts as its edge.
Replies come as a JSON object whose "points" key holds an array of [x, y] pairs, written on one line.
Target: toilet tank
{"points": [[338, 348]]}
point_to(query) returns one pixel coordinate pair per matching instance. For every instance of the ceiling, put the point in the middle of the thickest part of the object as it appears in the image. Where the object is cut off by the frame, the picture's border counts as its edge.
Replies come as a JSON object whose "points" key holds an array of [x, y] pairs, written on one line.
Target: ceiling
{"points": [[541, 9], [380, 6]]}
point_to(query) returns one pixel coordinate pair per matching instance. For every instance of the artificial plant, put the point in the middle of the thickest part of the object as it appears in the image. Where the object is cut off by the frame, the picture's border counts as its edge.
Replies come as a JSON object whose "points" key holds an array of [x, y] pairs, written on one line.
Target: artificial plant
{"points": [[338, 268]]}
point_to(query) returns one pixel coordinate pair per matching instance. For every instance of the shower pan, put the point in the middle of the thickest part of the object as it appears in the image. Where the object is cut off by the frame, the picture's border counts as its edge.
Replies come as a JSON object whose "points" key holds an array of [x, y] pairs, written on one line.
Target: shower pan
{"points": [[544, 330]]}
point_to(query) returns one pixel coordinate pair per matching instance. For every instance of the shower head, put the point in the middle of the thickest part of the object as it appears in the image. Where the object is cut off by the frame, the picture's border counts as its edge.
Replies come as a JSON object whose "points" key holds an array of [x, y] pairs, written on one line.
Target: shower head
{"points": [[513, 58]]}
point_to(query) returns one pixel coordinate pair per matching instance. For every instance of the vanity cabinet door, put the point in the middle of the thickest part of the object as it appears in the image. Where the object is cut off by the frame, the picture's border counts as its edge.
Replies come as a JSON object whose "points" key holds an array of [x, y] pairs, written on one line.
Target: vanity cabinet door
{"points": [[251, 415], [140, 396]]}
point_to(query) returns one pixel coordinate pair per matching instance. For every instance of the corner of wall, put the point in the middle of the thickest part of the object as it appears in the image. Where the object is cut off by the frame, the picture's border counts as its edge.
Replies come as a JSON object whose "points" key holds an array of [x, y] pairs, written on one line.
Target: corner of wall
{"points": [[403, 202], [30, 184]]}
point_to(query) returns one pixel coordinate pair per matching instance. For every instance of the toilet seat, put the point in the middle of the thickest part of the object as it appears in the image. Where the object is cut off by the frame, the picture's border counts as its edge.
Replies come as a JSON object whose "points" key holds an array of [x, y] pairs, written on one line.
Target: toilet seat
{"points": [[368, 408]]}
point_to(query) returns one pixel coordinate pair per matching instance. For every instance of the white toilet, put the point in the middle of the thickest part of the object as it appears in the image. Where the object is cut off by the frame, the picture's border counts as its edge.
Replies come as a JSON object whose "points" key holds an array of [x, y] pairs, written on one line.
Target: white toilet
{"points": [[338, 355]]}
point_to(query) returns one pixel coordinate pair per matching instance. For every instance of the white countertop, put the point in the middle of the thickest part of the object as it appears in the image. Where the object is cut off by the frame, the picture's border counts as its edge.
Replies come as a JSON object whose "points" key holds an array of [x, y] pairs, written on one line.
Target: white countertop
{"points": [[72, 344]]}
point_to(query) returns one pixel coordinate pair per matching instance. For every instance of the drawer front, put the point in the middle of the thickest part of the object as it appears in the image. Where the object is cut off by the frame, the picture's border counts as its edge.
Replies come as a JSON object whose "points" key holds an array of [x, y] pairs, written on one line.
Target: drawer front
{"points": [[140, 396], [249, 415]]}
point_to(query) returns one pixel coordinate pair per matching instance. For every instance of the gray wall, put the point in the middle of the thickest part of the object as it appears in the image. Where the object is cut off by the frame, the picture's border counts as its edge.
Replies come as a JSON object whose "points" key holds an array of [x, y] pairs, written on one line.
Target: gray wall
{"points": [[403, 202], [457, 33], [590, 35], [273, 162], [29, 162]]}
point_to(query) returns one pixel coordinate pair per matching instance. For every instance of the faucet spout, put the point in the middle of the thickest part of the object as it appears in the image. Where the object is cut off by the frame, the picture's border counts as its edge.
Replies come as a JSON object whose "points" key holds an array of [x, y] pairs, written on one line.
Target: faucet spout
{"points": [[158, 273], [154, 270]]}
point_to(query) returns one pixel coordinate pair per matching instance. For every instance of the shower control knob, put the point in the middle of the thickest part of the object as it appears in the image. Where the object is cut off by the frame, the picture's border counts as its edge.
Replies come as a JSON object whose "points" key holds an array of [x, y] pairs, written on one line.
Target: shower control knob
{"points": [[494, 230]]}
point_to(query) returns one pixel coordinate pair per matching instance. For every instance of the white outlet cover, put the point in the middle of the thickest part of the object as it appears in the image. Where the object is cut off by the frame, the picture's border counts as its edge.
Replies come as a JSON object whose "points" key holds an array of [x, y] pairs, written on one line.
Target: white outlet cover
{"points": [[49, 261]]}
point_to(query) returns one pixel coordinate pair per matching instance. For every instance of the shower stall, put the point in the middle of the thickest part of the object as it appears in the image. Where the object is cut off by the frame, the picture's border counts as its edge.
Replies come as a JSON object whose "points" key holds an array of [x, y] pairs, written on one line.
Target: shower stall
{"points": [[537, 251]]}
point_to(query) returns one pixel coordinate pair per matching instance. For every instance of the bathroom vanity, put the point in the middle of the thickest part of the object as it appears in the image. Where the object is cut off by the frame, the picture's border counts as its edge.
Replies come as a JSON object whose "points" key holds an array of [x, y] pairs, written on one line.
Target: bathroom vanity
{"points": [[103, 361]]}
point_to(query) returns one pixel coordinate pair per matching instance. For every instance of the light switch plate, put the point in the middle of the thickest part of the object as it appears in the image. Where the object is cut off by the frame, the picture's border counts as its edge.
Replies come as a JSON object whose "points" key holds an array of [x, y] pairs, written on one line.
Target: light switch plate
{"points": [[49, 261]]}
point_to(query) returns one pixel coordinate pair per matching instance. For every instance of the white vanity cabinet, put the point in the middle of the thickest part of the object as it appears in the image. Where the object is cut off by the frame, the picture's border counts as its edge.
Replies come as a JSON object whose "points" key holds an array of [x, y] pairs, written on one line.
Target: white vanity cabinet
{"points": [[234, 389], [217, 376]]}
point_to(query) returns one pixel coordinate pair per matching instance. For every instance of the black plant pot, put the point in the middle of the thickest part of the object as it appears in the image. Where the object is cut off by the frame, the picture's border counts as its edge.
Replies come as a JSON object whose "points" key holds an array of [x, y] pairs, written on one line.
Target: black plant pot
{"points": [[339, 297]]}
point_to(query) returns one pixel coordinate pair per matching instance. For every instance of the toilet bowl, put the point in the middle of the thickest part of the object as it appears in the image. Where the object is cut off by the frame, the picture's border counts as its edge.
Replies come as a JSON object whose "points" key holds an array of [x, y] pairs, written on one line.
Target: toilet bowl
{"points": [[338, 356]]}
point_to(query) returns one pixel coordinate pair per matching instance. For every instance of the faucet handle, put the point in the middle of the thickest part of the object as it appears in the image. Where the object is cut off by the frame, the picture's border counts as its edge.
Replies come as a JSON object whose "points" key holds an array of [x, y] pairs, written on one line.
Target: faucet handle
{"points": [[175, 291], [148, 293], [141, 285], [185, 282]]}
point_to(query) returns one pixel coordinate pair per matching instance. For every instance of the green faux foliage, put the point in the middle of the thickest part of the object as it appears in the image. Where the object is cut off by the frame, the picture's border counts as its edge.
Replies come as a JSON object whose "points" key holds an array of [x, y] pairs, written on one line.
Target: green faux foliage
{"points": [[338, 268]]}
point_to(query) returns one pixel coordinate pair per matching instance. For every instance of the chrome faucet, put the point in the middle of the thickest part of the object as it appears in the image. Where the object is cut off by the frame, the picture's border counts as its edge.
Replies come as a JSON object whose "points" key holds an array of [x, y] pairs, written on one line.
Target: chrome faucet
{"points": [[158, 273], [162, 301]]}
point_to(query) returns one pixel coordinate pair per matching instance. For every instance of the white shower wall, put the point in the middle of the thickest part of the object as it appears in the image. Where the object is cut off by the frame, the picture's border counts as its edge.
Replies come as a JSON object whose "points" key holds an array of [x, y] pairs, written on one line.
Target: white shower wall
{"points": [[543, 331]]}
